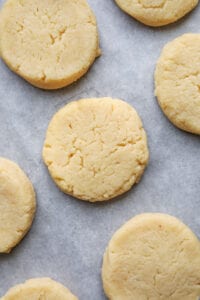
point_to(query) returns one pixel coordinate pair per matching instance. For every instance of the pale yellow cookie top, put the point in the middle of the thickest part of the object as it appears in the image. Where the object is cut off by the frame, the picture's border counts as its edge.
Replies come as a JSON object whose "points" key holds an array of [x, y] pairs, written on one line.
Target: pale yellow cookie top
{"points": [[155, 257], [96, 149], [177, 82], [17, 205], [38, 289], [157, 12], [49, 43]]}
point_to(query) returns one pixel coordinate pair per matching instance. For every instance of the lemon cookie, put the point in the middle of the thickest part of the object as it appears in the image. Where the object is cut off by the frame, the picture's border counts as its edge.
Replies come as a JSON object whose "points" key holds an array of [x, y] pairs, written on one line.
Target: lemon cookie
{"points": [[96, 149], [177, 82], [49, 43], [155, 257], [157, 12], [17, 205], [39, 288]]}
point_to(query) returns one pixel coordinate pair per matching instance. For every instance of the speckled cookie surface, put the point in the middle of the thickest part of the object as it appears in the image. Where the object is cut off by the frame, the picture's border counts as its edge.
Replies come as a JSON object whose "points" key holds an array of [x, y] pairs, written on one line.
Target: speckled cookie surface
{"points": [[157, 12], [38, 289], [49, 43], [177, 82], [17, 205], [96, 149], [155, 257]]}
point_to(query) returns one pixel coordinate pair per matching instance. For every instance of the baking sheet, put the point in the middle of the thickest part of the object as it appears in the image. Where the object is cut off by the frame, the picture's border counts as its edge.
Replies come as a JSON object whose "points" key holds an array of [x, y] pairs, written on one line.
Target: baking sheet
{"points": [[68, 237]]}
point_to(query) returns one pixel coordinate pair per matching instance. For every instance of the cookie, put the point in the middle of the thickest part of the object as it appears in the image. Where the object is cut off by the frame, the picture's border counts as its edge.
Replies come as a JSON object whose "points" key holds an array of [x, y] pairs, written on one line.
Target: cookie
{"points": [[96, 149], [39, 288], [157, 12], [153, 256], [177, 82], [49, 43], [17, 205]]}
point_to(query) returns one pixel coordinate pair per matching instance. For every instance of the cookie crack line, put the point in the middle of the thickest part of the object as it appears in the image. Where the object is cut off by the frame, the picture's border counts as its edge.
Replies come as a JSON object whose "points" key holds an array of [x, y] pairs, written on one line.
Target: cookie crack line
{"points": [[20, 27], [161, 6], [58, 37], [77, 151], [175, 63]]}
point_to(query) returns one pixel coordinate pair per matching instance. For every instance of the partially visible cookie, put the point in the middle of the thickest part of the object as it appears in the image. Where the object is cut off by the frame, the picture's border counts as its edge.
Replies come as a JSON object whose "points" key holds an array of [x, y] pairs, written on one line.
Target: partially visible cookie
{"points": [[157, 12], [17, 205], [96, 149], [177, 82], [39, 288], [155, 257], [49, 43]]}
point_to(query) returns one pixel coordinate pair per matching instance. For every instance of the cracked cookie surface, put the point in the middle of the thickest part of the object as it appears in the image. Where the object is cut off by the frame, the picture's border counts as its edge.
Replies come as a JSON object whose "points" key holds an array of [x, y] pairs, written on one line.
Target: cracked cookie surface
{"points": [[154, 257], [157, 12], [177, 82], [39, 289], [49, 43], [96, 149], [17, 205]]}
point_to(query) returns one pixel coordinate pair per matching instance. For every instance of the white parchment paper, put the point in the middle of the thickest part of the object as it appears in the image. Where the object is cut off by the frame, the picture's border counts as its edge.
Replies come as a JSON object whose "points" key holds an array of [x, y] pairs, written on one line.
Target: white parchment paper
{"points": [[68, 237]]}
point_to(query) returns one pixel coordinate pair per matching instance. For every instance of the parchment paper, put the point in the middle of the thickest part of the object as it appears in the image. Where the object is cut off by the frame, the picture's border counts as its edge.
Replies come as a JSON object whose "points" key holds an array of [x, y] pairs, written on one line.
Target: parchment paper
{"points": [[68, 237]]}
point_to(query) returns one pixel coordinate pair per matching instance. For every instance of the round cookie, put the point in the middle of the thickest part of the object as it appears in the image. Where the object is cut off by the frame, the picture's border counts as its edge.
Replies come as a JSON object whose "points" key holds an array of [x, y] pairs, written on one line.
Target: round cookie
{"points": [[155, 257], [177, 82], [39, 288], [157, 12], [49, 43], [96, 149], [17, 205]]}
